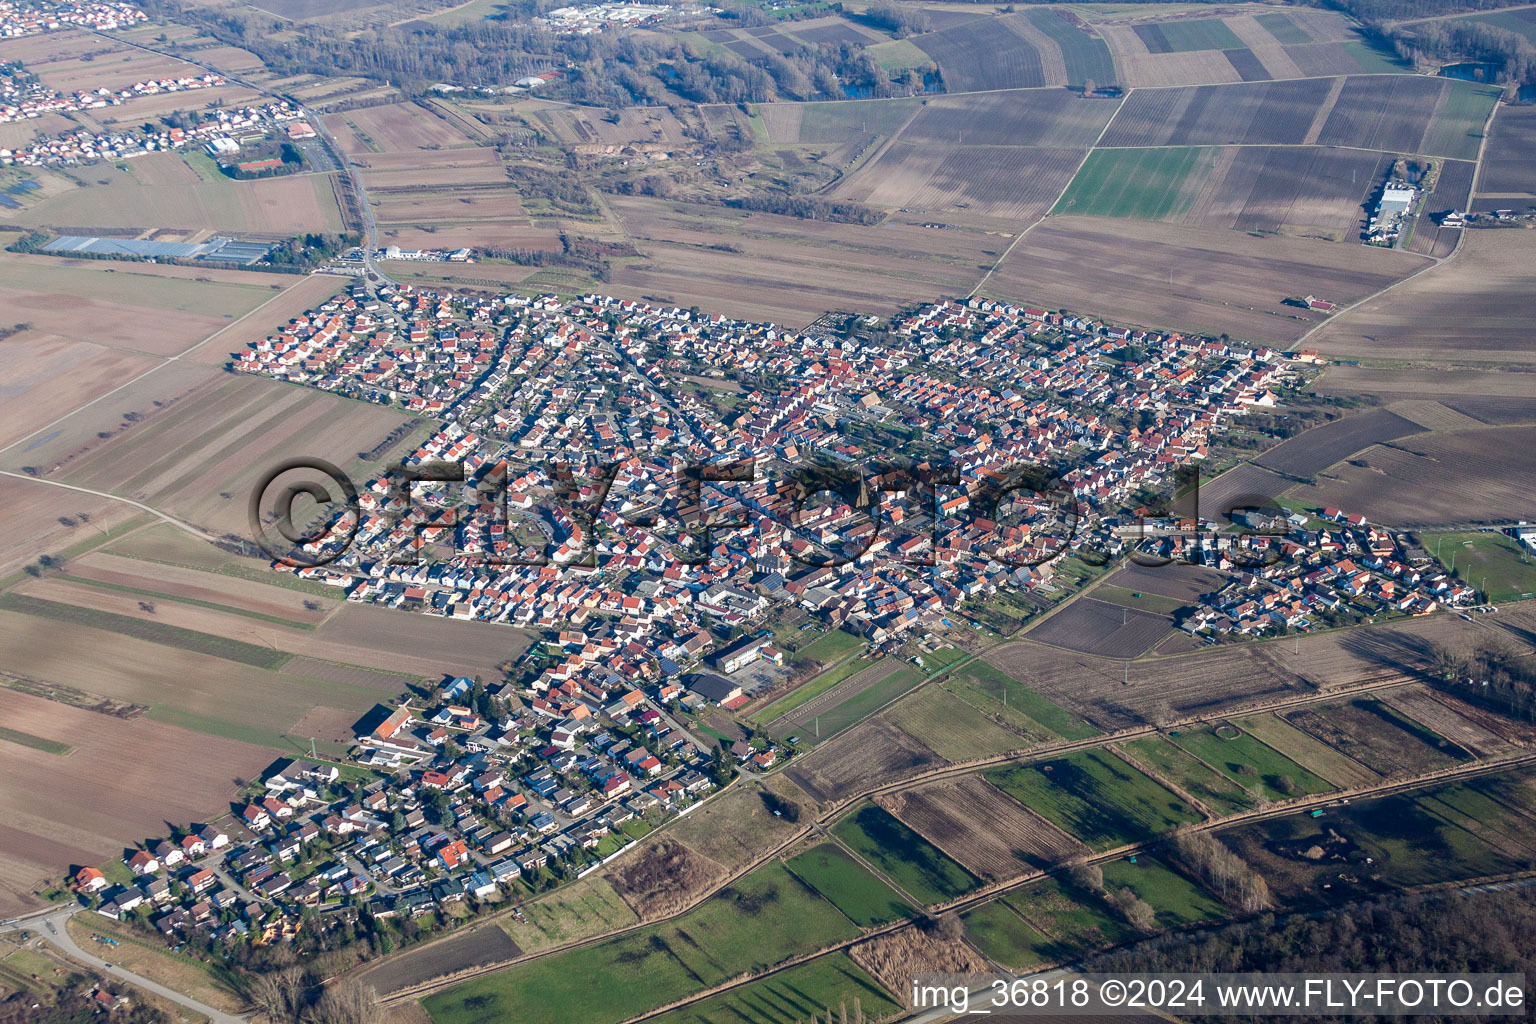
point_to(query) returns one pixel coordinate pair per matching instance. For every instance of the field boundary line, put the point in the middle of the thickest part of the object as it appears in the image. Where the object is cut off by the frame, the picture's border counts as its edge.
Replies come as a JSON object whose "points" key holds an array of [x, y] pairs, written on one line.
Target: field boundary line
{"points": [[1126, 95], [153, 369], [129, 501]]}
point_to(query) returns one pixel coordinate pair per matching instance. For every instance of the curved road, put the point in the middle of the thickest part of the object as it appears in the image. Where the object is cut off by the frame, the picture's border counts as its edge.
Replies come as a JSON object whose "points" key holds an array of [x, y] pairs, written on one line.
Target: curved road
{"points": [[53, 930]]}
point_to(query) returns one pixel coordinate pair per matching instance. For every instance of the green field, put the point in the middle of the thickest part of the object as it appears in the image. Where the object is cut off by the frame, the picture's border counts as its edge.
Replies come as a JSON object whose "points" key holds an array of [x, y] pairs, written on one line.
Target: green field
{"points": [[797, 994], [761, 920], [897, 55], [998, 931], [1489, 560], [1143, 184], [813, 689], [574, 911], [1199, 34], [1086, 56], [1457, 127], [982, 685], [860, 706], [1283, 29], [154, 632], [1096, 797], [1177, 900], [1248, 762], [1183, 769], [831, 648], [1072, 920], [849, 886], [1304, 748], [26, 739], [955, 730], [906, 858]]}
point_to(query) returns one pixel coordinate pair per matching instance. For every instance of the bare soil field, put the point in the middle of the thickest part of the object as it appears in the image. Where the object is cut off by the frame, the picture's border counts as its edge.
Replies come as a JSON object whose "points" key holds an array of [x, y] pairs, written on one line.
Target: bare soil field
{"points": [[1190, 278], [198, 456], [787, 270], [1509, 161], [403, 126], [1048, 117], [1181, 582], [1386, 112], [659, 879], [1008, 183], [46, 372], [474, 947], [872, 753], [982, 55], [1210, 680], [1261, 113], [1243, 486], [435, 206], [1491, 397], [1095, 627], [1313, 451], [1303, 191], [444, 167], [33, 511], [1379, 741], [519, 233], [1471, 309], [1467, 477], [61, 812], [195, 585], [1423, 706], [117, 198], [735, 829], [352, 675], [987, 831], [95, 302], [1452, 191]]}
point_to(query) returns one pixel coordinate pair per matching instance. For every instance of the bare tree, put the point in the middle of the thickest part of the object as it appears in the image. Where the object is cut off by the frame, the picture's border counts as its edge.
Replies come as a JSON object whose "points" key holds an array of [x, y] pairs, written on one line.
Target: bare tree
{"points": [[345, 1002]]}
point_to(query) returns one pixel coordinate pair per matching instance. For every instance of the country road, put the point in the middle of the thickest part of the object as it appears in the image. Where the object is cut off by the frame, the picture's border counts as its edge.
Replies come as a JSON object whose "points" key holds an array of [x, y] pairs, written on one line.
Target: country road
{"points": [[52, 929]]}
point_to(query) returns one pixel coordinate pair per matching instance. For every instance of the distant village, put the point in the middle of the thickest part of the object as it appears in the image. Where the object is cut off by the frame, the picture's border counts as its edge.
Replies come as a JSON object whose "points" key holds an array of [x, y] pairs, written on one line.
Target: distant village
{"points": [[28, 17]]}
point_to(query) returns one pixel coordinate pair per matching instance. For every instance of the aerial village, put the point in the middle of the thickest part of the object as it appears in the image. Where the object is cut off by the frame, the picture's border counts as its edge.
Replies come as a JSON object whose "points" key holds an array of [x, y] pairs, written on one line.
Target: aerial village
{"points": [[476, 793]]}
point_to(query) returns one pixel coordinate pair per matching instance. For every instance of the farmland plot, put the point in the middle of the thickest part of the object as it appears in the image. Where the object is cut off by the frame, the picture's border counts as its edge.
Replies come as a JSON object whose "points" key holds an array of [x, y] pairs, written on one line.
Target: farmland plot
{"points": [[954, 729], [1163, 276], [921, 869], [1305, 749], [1410, 114], [1001, 182], [872, 753], [1084, 55], [1147, 184], [1248, 762], [1183, 36], [1313, 451], [1096, 627], [1509, 165], [1274, 113], [401, 127], [1470, 309], [1423, 706], [1384, 740], [1047, 117], [1074, 920], [849, 886], [1096, 797], [1291, 190], [1453, 191], [982, 55], [1188, 773], [988, 832], [1479, 476], [833, 122], [998, 931]]}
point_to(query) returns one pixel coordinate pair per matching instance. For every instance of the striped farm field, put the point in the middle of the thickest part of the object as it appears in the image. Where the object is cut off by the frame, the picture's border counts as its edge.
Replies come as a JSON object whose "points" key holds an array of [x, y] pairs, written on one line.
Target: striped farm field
{"points": [[1146, 184]]}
